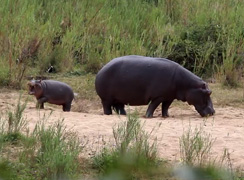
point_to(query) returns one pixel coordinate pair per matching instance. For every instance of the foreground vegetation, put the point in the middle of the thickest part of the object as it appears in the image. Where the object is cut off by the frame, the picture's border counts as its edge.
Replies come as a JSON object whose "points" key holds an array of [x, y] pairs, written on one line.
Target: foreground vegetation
{"points": [[81, 36], [49, 152], [54, 152]]}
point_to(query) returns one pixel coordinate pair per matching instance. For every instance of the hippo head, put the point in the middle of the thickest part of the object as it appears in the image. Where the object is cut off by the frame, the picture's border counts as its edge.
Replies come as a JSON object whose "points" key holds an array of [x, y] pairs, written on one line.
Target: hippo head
{"points": [[200, 98], [35, 88]]}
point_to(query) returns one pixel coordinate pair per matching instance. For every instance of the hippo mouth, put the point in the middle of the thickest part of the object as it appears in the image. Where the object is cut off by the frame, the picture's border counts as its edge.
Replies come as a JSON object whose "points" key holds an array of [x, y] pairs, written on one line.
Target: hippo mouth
{"points": [[31, 88], [208, 111]]}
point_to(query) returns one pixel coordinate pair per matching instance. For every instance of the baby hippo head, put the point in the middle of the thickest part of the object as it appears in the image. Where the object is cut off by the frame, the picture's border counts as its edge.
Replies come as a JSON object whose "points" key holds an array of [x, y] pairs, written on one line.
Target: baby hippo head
{"points": [[35, 88]]}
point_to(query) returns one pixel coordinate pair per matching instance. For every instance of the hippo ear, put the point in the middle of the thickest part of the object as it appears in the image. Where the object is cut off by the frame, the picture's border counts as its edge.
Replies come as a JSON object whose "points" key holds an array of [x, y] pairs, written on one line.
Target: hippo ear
{"points": [[37, 85]]}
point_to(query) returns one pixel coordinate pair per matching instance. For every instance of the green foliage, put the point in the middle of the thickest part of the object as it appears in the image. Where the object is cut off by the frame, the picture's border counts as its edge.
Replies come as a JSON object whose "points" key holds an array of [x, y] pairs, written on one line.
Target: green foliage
{"points": [[6, 170], [205, 36], [58, 150], [46, 153], [195, 150], [16, 121], [4, 75], [12, 137], [195, 147], [204, 172], [11, 128], [199, 48], [133, 155]]}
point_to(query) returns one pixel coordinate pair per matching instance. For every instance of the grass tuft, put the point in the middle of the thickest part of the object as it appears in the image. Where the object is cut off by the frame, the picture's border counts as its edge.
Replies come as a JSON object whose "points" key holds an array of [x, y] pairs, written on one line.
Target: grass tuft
{"points": [[133, 156], [195, 147]]}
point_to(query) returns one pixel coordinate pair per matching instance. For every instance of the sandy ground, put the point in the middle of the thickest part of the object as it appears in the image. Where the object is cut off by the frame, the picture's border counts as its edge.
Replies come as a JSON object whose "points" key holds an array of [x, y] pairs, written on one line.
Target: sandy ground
{"points": [[95, 129]]}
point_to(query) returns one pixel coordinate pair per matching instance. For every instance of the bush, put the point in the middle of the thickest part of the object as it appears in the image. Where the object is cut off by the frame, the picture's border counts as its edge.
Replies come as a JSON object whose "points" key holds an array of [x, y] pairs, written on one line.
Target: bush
{"points": [[194, 33], [16, 121], [195, 147], [4, 75], [199, 48], [133, 155], [57, 151], [195, 150], [12, 128], [46, 153]]}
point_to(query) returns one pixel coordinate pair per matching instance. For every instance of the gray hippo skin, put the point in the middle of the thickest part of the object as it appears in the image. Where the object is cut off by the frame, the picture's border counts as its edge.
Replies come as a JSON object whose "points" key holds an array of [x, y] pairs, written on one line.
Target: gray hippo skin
{"points": [[138, 80], [53, 92]]}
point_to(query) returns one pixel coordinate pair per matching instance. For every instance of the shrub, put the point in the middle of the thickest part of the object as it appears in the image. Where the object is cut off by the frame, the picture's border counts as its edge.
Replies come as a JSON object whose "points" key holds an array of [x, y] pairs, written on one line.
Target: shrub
{"points": [[46, 153], [57, 150], [195, 147], [194, 33], [11, 129], [133, 155], [16, 121], [4, 75], [199, 48]]}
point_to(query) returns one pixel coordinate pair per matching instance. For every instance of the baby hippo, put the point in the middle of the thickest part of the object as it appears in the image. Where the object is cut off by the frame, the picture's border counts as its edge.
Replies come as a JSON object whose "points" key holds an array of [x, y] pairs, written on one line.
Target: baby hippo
{"points": [[53, 92]]}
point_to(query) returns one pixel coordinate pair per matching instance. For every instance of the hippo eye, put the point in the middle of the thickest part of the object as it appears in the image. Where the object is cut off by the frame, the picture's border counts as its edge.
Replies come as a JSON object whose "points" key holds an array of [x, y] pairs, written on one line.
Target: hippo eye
{"points": [[204, 86]]}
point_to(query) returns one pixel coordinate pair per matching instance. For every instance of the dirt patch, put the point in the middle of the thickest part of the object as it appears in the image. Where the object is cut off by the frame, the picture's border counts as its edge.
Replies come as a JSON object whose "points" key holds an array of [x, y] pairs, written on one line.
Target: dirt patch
{"points": [[95, 129]]}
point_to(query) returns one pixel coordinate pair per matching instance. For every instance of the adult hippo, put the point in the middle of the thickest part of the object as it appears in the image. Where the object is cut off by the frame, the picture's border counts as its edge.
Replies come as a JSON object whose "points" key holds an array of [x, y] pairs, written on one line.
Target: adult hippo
{"points": [[51, 91], [138, 80]]}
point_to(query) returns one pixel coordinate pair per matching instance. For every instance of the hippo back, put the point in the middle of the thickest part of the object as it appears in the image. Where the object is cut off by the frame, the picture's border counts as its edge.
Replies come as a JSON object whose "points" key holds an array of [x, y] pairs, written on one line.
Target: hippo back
{"points": [[136, 80], [57, 91]]}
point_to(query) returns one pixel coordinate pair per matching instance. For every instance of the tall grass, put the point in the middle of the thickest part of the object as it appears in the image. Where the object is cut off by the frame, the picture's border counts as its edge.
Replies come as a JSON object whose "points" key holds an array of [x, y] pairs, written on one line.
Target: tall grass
{"points": [[198, 162], [205, 36], [57, 151], [133, 157], [14, 124], [195, 147], [16, 121], [49, 152]]}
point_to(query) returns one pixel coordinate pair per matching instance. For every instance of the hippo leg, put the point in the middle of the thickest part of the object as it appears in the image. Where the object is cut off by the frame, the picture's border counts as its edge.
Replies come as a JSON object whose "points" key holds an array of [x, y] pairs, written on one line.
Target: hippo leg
{"points": [[40, 102], [107, 107], [120, 109], [165, 107], [39, 105], [152, 106], [67, 107]]}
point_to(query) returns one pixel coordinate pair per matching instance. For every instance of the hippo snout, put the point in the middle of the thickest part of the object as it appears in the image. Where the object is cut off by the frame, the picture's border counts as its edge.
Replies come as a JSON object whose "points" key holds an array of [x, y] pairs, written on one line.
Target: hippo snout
{"points": [[207, 112], [31, 92]]}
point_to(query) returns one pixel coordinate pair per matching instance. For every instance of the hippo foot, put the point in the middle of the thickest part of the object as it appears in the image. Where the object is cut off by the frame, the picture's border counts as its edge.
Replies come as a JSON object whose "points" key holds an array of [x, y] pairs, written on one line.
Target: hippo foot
{"points": [[121, 113], [108, 112], [66, 110], [39, 107], [149, 116], [165, 115], [107, 109]]}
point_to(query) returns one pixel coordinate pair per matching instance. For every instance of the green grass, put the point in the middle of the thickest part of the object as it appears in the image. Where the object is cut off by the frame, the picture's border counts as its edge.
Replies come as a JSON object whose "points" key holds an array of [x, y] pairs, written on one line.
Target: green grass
{"points": [[133, 156], [197, 160], [195, 147], [57, 151], [49, 152], [205, 36]]}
